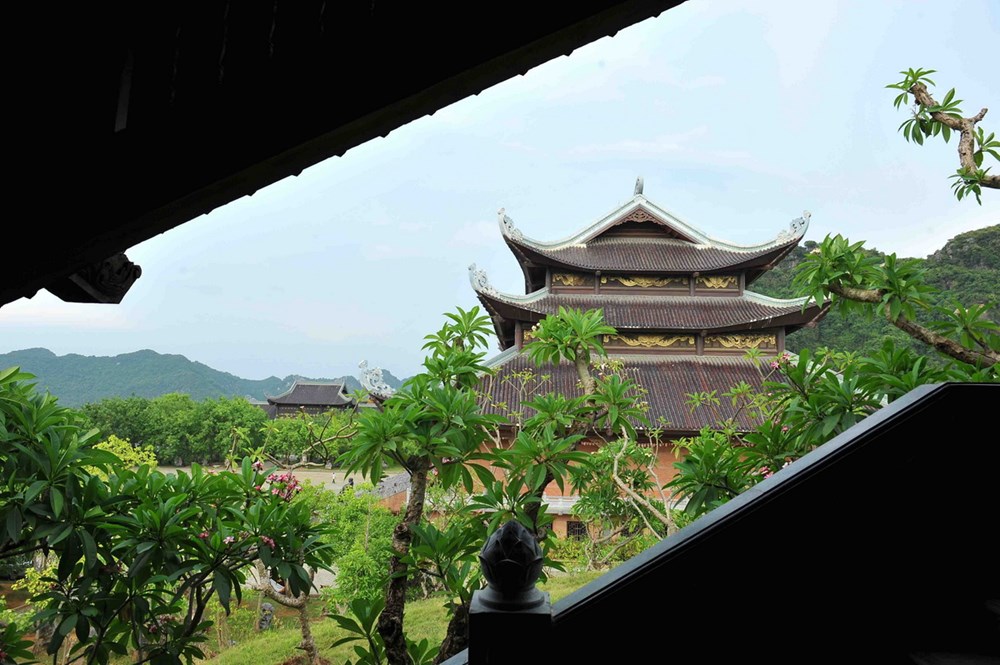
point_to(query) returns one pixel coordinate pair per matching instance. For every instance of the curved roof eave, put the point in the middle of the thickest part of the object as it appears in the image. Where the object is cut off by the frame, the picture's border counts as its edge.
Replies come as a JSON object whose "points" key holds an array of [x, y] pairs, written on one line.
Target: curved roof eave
{"points": [[796, 231], [806, 308]]}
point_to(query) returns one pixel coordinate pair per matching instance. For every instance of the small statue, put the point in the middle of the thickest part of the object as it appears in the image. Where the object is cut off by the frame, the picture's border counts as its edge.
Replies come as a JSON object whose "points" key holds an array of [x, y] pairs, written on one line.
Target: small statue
{"points": [[266, 616]]}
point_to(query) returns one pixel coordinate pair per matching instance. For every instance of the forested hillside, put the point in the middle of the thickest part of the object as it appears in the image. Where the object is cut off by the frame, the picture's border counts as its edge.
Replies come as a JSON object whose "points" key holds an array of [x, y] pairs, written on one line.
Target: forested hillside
{"points": [[966, 269], [78, 380]]}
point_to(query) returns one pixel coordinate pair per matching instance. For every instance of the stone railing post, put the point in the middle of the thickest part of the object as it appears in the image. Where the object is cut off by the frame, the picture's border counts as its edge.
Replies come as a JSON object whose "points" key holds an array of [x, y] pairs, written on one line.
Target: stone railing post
{"points": [[510, 620]]}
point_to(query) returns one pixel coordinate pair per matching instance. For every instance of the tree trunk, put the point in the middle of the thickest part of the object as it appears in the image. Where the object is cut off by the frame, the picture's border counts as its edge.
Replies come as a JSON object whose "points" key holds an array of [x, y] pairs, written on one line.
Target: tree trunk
{"points": [[308, 644], [457, 637], [390, 622], [300, 602], [535, 507]]}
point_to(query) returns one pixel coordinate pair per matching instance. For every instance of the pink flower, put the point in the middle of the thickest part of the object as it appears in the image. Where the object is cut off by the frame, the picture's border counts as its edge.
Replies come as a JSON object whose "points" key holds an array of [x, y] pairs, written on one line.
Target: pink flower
{"points": [[258, 465], [229, 540], [785, 428], [774, 364], [203, 535], [268, 541]]}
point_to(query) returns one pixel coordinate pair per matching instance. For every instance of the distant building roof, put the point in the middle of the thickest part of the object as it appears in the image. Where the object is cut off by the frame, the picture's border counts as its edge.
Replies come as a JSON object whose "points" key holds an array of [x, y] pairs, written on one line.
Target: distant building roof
{"points": [[393, 485], [270, 409], [313, 394]]}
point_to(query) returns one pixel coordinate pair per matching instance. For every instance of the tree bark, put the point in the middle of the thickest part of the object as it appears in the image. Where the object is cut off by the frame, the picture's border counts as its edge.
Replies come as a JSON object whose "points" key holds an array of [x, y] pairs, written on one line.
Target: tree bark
{"points": [[945, 345], [390, 622], [301, 603], [457, 636], [966, 128]]}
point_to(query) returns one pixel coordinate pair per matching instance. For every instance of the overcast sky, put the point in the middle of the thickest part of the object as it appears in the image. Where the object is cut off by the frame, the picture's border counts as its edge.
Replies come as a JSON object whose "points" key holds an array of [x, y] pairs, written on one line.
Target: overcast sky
{"points": [[738, 115]]}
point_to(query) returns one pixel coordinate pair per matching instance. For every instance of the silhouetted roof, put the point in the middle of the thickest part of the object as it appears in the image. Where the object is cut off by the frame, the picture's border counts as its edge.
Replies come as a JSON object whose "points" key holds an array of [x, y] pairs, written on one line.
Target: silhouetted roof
{"points": [[179, 108]]}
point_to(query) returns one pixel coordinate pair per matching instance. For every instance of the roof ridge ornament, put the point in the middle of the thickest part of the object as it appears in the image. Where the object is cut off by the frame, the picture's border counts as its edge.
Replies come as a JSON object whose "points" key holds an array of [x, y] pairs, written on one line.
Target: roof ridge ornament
{"points": [[372, 381], [480, 282], [638, 187], [797, 227], [507, 225]]}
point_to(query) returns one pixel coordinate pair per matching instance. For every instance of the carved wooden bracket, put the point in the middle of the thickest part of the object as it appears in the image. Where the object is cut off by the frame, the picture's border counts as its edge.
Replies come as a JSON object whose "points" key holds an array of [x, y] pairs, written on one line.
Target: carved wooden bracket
{"points": [[106, 282]]}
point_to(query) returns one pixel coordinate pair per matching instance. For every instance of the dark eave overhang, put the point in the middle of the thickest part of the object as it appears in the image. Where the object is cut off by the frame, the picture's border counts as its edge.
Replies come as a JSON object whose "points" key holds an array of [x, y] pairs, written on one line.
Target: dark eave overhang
{"points": [[141, 116]]}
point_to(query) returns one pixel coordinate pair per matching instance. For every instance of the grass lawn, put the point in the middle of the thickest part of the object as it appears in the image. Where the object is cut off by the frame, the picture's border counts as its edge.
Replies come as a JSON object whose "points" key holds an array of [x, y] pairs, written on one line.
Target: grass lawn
{"points": [[424, 618]]}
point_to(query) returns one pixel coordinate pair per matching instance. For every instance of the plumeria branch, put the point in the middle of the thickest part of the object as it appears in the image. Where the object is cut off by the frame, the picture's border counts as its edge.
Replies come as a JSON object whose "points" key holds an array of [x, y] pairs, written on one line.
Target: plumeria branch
{"points": [[966, 127], [946, 345]]}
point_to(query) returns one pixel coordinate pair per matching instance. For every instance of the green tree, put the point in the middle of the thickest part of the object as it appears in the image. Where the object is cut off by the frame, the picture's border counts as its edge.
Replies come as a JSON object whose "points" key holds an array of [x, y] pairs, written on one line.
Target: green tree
{"points": [[127, 418], [432, 422], [226, 427], [359, 536], [621, 501], [172, 423], [140, 553]]}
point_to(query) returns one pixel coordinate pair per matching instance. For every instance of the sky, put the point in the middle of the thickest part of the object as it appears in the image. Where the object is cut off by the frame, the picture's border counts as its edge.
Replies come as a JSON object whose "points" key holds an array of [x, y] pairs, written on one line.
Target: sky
{"points": [[739, 115]]}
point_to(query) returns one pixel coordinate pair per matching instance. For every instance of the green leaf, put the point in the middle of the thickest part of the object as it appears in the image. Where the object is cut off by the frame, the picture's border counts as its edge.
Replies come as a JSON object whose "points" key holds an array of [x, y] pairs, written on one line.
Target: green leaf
{"points": [[56, 499], [67, 625], [14, 523], [89, 548], [224, 587], [82, 629], [33, 491]]}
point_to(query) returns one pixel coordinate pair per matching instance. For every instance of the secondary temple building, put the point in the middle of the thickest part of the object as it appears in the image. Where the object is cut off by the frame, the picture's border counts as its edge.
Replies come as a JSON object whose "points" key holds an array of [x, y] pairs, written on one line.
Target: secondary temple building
{"points": [[679, 300], [310, 397]]}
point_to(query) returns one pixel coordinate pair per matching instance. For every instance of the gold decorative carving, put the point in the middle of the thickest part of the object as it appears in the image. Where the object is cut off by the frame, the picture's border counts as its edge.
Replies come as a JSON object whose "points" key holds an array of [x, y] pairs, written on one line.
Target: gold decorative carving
{"points": [[718, 281], [640, 216], [649, 341], [569, 279], [643, 282], [742, 341]]}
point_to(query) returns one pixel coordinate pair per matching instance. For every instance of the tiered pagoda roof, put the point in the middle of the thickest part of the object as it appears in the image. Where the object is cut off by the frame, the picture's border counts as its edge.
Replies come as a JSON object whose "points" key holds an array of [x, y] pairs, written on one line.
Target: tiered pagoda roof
{"points": [[677, 298]]}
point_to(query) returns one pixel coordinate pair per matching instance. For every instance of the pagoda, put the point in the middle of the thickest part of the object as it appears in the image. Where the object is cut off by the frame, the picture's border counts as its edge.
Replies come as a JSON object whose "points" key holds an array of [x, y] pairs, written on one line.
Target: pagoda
{"points": [[679, 300]]}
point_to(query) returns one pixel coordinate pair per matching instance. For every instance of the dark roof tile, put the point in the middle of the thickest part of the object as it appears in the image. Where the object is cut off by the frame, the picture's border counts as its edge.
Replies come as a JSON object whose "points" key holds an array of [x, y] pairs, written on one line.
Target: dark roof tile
{"points": [[313, 394], [659, 255], [669, 312], [668, 379]]}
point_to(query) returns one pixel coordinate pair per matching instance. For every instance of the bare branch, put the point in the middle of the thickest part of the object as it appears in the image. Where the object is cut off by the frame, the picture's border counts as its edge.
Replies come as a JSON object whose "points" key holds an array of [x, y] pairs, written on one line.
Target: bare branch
{"points": [[632, 494]]}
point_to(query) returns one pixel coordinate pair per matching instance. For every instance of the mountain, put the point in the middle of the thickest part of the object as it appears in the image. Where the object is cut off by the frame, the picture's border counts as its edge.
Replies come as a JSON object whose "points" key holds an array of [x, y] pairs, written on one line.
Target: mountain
{"points": [[77, 380]]}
